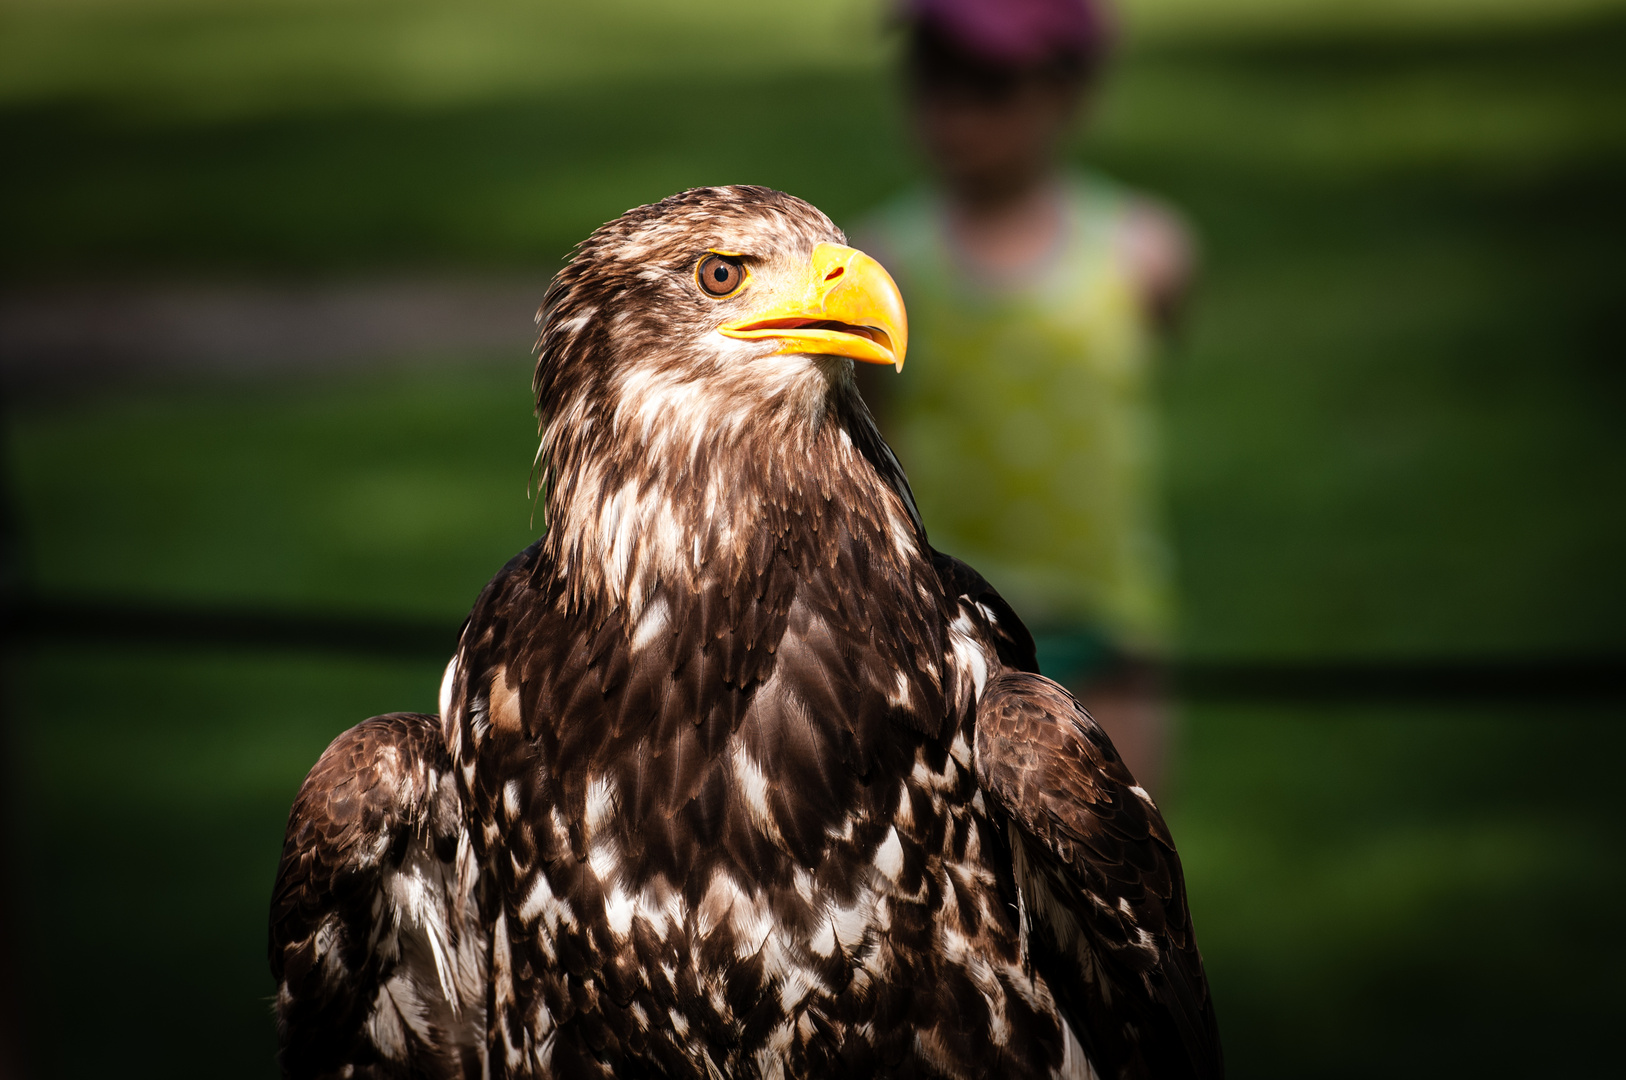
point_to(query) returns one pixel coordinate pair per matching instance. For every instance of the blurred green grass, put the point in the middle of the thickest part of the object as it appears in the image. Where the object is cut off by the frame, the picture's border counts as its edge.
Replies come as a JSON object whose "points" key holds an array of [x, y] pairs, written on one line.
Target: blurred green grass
{"points": [[399, 493], [1392, 417], [152, 789]]}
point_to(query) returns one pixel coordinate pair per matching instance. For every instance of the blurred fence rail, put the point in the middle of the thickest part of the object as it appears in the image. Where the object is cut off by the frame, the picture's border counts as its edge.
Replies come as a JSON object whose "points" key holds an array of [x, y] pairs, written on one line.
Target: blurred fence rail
{"points": [[68, 337], [40, 620]]}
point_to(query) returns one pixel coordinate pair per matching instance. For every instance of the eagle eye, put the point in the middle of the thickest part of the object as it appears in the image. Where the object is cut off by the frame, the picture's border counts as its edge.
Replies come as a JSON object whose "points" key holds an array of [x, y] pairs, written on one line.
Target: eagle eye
{"points": [[719, 275]]}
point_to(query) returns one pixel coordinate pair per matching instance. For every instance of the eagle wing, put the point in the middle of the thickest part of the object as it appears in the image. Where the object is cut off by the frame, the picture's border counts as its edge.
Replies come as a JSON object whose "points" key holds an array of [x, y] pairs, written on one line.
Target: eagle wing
{"points": [[1103, 895], [375, 937]]}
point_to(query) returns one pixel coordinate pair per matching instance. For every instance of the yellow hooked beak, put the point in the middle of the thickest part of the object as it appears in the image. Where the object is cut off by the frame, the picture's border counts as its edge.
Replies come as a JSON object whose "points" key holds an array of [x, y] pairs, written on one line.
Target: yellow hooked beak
{"points": [[846, 304]]}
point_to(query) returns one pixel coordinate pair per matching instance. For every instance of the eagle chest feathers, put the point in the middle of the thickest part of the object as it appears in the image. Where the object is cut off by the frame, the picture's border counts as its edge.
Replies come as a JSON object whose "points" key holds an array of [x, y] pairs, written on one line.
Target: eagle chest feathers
{"points": [[734, 776], [738, 812]]}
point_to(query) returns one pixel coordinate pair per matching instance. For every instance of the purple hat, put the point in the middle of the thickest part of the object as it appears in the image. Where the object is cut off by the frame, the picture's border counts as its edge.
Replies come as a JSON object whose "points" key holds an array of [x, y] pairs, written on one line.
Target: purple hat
{"points": [[1017, 32]]}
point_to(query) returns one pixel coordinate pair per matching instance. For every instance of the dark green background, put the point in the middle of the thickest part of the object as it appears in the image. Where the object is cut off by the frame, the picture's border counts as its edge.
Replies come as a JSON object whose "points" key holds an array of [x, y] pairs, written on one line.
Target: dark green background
{"points": [[1393, 423]]}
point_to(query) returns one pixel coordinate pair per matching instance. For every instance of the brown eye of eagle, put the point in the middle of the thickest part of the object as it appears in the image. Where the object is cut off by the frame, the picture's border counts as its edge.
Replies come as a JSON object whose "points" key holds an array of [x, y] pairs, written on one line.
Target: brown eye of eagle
{"points": [[720, 275]]}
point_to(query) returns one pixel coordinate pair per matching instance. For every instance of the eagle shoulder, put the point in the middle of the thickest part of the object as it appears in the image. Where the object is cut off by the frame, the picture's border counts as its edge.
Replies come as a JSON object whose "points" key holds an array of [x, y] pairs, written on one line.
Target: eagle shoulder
{"points": [[981, 603], [1102, 891], [375, 940]]}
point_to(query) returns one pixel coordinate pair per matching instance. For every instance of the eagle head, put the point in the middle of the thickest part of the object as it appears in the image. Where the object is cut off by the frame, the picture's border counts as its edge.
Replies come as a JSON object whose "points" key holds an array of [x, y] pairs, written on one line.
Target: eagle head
{"points": [[696, 359], [713, 310]]}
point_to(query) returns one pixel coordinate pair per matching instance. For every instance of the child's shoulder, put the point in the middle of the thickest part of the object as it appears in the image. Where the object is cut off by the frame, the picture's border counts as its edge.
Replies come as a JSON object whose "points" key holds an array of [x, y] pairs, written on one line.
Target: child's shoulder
{"points": [[1147, 236], [1098, 196]]}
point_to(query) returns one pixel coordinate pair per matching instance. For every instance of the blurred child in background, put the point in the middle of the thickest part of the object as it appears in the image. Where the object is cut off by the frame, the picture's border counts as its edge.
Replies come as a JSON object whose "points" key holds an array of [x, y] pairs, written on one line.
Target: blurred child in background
{"points": [[1026, 420]]}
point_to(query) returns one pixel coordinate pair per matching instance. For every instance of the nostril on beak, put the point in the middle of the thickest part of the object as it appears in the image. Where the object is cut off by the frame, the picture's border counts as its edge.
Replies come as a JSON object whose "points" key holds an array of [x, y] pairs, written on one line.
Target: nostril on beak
{"points": [[837, 272]]}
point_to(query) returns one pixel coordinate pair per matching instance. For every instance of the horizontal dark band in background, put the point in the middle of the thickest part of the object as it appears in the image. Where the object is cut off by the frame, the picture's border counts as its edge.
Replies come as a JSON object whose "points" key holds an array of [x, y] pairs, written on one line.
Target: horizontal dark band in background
{"points": [[1602, 676], [123, 622]]}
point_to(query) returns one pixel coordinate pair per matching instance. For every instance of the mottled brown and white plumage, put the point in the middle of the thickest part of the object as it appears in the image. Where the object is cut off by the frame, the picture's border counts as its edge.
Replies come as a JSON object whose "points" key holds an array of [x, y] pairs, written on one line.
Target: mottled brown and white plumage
{"points": [[735, 776]]}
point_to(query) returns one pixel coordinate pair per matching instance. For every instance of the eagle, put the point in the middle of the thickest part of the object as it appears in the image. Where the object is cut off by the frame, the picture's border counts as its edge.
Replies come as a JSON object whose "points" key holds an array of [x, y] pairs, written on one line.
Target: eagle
{"points": [[734, 775]]}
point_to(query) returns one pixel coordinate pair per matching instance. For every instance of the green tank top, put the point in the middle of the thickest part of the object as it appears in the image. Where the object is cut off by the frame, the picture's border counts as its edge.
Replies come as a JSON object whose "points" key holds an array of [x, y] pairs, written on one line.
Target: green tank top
{"points": [[1025, 419]]}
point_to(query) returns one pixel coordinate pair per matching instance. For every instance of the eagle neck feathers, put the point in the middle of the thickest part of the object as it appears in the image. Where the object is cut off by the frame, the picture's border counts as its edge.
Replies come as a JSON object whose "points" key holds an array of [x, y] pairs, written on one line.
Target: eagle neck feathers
{"points": [[636, 501]]}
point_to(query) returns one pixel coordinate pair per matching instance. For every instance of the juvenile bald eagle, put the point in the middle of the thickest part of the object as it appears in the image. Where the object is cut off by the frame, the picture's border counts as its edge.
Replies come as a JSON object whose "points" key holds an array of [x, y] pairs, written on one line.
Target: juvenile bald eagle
{"points": [[734, 775]]}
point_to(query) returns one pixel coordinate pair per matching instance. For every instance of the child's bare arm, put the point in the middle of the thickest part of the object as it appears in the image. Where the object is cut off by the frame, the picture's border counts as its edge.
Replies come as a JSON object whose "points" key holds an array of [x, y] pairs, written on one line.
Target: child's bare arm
{"points": [[1161, 253]]}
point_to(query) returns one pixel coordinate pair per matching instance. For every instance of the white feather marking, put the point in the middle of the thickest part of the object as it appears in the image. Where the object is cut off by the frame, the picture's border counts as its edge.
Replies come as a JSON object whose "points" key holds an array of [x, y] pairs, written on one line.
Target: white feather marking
{"points": [[384, 1023], [556, 820], [618, 526], [806, 887], [797, 982], [823, 941], [898, 696], [775, 1050], [1075, 1063], [889, 856], [973, 838], [539, 899], [502, 972], [672, 910], [906, 806], [752, 923], [602, 859], [327, 935], [753, 788], [618, 910], [576, 322], [601, 795], [446, 682], [852, 923], [967, 653], [745, 913], [418, 900], [934, 781], [903, 537], [845, 833]]}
